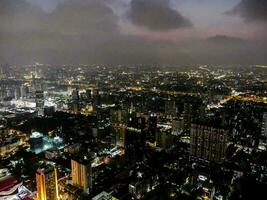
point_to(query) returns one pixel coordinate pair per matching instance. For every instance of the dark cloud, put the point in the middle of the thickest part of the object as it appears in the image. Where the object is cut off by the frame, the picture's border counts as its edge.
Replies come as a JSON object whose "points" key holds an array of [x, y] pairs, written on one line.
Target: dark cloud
{"points": [[223, 39], [83, 17], [87, 31], [19, 16], [156, 15], [251, 10], [77, 31]]}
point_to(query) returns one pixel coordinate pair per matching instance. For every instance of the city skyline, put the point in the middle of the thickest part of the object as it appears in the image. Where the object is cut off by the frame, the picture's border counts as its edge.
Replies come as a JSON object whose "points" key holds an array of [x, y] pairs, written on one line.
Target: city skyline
{"points": [[133, 99], [130, 132]]}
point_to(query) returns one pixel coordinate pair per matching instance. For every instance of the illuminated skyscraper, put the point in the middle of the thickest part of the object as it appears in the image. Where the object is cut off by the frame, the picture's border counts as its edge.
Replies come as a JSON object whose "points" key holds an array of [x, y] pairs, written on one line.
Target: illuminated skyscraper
{"points": [[263, 140], [152, 127], [264, 126], [81, 172], [46, 180], [208, 143], [39, 100], [119, 134]]}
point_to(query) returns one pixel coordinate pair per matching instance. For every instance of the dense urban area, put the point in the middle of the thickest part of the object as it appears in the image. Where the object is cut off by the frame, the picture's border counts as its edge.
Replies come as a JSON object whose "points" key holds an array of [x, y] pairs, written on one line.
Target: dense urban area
{"points": [[133, 132]]}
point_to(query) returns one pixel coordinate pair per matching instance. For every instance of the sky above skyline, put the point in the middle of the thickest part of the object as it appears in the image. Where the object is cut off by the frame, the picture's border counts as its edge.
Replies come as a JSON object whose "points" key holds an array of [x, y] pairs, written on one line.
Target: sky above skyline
{"points": [[133, 31]]}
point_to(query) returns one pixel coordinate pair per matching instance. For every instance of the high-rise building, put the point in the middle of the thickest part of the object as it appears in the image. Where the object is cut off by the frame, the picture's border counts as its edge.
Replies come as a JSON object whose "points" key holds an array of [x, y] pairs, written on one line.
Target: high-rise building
{"points": [[208, 143], [164, 138], [177, 126], [170, 107], [119, 134], [88, 93], [96, 98], [152, 127], [39, 100], [187, 116], [263, 140], [74, 105], [23, 91], [118, 116], [135, 137], [264, 126], [17, 93], [46, 180], [75, 94], [81, 172]]}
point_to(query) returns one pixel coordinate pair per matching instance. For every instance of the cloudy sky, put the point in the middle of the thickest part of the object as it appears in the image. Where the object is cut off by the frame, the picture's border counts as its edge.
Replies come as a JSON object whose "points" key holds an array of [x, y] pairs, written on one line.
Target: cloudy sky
{"points": [[133, 31]]}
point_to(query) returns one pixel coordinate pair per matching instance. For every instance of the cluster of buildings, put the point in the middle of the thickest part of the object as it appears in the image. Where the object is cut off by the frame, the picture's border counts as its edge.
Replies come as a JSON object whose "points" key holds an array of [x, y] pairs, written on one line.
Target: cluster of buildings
{"points": [[78, 184], [132, 133]]}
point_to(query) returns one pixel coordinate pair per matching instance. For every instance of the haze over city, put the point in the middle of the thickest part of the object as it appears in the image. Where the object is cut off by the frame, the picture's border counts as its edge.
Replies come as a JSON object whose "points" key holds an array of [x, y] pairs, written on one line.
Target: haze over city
{"points": [[133, 31]]}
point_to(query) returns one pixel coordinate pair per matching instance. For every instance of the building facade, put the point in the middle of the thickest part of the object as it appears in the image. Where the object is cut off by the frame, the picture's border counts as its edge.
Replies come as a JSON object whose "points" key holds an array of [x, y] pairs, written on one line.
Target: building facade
{"points": [[46, 180], [208, 143], [81, 172]]}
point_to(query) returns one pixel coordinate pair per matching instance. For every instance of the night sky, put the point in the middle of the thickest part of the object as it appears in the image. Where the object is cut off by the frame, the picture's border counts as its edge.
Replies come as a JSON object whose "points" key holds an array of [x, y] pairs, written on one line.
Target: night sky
{"points": [[133, 31]]}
